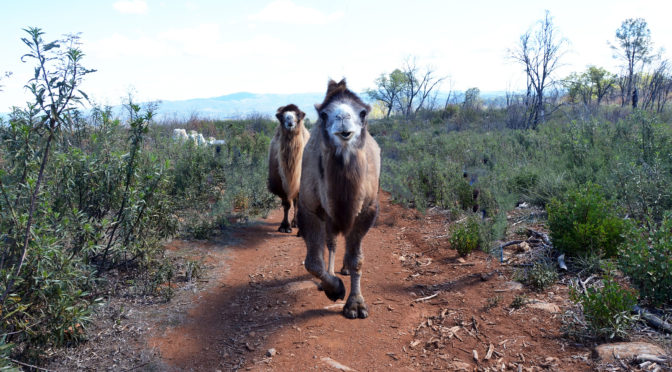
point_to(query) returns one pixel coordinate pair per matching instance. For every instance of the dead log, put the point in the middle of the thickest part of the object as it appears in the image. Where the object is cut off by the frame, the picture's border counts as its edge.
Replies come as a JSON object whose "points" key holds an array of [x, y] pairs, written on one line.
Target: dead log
{"points": [[652, 320], [542, 236]]}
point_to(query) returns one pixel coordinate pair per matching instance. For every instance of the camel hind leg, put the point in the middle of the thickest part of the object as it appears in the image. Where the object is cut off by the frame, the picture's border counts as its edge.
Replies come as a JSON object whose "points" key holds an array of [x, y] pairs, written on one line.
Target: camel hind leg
{"points": [[295, 219], [284, 226], [356, 307], [314, 234]]}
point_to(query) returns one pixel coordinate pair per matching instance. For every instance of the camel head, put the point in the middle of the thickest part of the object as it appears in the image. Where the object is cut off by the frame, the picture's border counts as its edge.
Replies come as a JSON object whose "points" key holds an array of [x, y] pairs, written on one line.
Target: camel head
{"points": [[344, 117], [290, 117]]}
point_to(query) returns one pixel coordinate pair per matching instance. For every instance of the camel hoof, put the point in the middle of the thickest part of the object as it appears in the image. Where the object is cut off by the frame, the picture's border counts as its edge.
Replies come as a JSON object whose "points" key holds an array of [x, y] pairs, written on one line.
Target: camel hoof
{"points": [[335, 294], [294, 224], [285, 229], [345, 271], [298, 233], [355, 308]]}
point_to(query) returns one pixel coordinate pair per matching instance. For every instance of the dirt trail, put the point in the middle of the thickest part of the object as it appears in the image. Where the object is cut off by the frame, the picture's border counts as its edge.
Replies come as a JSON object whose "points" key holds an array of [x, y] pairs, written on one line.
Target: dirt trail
{"points": [[263, 298]]}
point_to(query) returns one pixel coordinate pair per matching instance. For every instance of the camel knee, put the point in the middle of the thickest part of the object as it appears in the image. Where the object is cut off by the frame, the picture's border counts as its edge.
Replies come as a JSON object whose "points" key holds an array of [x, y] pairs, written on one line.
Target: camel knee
{"points": [[353, 262], [314, 266]]}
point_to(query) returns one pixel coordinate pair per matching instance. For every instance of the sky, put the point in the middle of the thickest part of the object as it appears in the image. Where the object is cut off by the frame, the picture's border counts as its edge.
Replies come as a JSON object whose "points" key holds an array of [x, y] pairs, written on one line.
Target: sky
{"points": [[174, 50]]}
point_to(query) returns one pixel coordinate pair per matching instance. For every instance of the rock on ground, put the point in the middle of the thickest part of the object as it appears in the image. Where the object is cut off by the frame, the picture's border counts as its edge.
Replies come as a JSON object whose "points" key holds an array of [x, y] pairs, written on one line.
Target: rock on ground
{"points": [[625, 350]]}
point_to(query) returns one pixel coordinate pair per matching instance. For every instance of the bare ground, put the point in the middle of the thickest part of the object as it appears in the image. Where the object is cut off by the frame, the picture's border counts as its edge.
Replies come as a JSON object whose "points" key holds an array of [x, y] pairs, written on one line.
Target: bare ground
{"points": [[258, 309]]}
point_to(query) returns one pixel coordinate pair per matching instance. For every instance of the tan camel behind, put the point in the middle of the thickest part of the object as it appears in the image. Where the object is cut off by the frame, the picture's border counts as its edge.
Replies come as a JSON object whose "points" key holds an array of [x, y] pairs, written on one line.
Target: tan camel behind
{"points": [[284, 160]]}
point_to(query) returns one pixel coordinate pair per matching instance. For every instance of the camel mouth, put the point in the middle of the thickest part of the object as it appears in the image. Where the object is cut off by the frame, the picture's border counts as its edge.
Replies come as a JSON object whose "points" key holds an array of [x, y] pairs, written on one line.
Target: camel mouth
{"points": [[346, 135]]}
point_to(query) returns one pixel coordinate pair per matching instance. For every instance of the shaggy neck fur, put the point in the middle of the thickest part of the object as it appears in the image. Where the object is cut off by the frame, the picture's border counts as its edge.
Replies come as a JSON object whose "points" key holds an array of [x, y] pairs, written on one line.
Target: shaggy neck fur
{"points": [[344, 176], [291, 149]]}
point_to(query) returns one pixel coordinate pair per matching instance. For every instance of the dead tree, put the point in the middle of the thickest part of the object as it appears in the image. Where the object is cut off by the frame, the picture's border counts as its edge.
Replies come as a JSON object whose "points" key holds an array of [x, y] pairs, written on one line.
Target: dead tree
{"points": [[539, 52]]}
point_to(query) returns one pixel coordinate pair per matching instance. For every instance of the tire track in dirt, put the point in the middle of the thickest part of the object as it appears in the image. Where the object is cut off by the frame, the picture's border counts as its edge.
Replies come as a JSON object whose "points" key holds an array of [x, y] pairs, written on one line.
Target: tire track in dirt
{"points": [[265, 299]]}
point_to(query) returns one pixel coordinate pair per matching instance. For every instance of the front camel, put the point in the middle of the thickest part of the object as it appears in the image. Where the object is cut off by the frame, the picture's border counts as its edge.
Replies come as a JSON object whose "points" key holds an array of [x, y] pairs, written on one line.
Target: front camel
{"points": [[339, 192]]}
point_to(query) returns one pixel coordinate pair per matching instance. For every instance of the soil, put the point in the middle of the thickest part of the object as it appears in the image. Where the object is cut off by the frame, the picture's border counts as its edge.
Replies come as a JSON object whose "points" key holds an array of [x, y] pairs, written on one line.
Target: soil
{"points": [[259, 309]]}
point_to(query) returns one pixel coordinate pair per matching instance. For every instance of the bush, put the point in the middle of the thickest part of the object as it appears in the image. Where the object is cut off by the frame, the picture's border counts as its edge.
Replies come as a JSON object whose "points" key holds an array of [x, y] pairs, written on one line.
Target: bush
{"points": [[647, 259], [542, 275], [607, 309], [584, 223], [466, 237]]}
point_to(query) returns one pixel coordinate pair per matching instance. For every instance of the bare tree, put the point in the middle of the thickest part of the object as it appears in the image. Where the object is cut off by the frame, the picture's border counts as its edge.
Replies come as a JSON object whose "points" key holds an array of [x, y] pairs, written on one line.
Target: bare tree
{"points": [[539, 52], [418, 87], [451, 94], [634, 47], [656, 87]]}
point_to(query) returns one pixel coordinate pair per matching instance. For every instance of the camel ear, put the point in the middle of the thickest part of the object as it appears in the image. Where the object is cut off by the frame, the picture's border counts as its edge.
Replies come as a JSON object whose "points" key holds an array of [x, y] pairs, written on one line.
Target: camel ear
{"points": [[278, 113], [301, 115], [332, 86]]}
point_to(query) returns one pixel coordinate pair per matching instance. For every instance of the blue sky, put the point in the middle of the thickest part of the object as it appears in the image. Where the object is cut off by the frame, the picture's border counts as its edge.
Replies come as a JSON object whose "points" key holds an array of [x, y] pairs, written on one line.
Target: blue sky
{"points": [[174, 50]]}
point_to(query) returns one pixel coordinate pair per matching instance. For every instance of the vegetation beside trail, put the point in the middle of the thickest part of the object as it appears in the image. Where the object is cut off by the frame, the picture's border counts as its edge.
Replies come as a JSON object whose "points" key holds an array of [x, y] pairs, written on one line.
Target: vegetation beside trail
{"points": [[83, 193]]}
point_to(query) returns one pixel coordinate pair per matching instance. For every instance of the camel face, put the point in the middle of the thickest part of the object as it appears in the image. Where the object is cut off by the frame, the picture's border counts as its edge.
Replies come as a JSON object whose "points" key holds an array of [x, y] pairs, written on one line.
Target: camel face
{"points": [[343, 123], [289, 120]]}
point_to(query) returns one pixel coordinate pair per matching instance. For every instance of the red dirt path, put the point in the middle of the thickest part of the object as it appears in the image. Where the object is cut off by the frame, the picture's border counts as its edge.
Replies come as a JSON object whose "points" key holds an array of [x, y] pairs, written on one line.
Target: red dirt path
{"points": [[264, 298]]}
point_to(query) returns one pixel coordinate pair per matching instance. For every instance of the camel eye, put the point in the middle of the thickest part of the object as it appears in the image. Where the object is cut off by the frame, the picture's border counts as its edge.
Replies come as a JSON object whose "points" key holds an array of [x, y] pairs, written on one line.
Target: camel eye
{"points": [[362, 114]]}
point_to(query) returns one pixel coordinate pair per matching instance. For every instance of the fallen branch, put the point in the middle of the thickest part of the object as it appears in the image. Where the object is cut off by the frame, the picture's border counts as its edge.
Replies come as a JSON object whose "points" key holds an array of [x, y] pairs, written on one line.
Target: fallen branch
{"points": [[513, 242], [542, 236], [650, 358], [584, 283], [426, 298], [28, 365], [652, 320]]}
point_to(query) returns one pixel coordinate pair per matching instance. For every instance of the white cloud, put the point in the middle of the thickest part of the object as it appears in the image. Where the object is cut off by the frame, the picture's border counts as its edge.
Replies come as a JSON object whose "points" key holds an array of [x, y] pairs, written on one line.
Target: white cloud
{"points": [[285, 11], [204, 41], [131, 6]]}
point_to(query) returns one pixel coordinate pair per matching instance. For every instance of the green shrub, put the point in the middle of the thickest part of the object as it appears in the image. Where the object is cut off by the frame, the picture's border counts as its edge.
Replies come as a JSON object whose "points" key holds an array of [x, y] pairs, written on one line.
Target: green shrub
{"points": [[6, 365], [607, 310], [542, 275], [523, 181], [584, 222], [466, 236], [647, 259]]}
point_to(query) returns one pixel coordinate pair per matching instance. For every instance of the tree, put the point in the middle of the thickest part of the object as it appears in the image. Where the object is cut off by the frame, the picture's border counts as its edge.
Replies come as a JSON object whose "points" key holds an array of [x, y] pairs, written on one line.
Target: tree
{"points": [[418, 87], [593, 84], [633, 46], [656, 86], [578, 88], [539, 52], [406, 90], [388, 90], [601, 80], [472, 100]]}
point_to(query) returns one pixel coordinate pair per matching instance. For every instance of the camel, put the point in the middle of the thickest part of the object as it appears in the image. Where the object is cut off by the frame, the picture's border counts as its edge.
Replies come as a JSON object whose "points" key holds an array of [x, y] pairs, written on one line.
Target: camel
{"points": [[339, 192], [284, 160]]}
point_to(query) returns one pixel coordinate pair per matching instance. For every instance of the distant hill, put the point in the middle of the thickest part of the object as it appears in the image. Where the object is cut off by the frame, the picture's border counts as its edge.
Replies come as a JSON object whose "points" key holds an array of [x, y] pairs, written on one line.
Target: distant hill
{"points": [[242, 104], [238, 105]]}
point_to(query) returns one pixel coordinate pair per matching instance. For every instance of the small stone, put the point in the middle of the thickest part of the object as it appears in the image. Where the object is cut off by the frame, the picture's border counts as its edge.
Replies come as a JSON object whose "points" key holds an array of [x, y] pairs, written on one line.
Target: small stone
{"points": [[271, 352], [510, 286], [461, 366], [546, 306]]}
